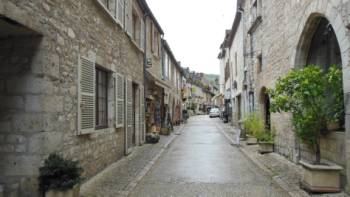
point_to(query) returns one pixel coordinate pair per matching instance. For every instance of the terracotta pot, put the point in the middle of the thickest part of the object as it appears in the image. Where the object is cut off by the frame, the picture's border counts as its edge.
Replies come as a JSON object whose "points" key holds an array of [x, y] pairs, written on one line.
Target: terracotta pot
{"points": [[74, 192], [265, 147], [321, 178]]}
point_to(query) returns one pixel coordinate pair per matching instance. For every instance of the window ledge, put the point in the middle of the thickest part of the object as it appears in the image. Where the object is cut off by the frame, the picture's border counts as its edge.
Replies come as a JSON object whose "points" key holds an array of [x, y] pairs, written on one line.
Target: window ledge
{"points": [[255, 24], [136, 45], [109, 14]]}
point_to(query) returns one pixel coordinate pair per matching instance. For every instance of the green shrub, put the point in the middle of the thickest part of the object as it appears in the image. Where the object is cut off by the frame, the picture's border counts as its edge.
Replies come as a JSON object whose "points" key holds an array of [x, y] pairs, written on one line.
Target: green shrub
{"points": [[268, 137], [59, 173], [314, 98], [253, 124]]}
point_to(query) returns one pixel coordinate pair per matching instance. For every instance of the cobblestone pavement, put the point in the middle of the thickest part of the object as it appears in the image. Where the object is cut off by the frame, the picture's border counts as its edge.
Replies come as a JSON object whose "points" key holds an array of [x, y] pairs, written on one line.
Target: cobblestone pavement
{"points": [[119, 178], [202, 162], [284, 172]]}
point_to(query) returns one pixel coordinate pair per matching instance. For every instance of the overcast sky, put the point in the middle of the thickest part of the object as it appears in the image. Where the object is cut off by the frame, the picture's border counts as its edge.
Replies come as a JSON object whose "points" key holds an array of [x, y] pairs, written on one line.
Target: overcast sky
{"points": [[195, 29]]}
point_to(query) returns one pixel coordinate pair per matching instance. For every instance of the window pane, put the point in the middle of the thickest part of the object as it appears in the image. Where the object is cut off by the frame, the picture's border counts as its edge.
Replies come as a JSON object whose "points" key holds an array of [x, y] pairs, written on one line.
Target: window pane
{"points": [[101, 98]]}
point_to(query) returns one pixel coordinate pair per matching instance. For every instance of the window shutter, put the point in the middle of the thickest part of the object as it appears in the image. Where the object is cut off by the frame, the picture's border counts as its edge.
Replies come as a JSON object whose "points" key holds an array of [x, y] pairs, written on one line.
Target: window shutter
{"points": [[120, 12], [86, 113], [119, 100], [128, 115], [142, 115], [128, 17], [142, 36]]}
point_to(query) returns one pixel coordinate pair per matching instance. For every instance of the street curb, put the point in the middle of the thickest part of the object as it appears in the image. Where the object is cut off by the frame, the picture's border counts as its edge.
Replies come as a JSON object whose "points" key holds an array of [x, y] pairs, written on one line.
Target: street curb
{"points": [[274, 179], [130, 187]]}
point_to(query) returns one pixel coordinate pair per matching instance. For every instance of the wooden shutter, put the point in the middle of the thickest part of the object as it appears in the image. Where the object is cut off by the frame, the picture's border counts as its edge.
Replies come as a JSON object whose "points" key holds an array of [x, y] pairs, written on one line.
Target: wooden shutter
{"points": [[120, 12], [142, 115], [119, 100], [128, 115], [128, 17], [86, 96]]}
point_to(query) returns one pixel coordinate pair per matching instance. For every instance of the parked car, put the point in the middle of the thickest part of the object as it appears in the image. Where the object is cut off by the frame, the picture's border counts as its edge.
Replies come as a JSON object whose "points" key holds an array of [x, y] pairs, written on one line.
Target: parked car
{"points": [[214, 112]]}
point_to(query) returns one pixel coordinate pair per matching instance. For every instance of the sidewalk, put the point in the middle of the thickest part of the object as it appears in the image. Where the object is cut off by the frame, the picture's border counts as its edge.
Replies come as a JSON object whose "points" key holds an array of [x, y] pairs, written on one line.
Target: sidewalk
{"points": [[121, 177], [284, 172]]}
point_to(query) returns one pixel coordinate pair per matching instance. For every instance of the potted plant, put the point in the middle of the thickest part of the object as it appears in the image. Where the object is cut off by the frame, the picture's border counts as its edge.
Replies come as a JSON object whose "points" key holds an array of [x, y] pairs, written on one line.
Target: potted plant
{"points": [[60, 177], [266, 142], [305, 94], [335, 99], [253, 125]]}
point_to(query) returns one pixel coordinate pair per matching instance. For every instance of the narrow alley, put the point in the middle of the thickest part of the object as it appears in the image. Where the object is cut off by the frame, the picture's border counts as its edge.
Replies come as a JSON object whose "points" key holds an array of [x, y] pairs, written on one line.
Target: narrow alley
{"points": [[202, 162]]}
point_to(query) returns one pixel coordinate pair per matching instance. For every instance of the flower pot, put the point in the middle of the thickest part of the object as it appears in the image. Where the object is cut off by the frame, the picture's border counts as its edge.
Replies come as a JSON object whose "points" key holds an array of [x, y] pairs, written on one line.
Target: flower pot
{"points": [[321, 178], [152, 138], [251, 140], [265, 147], [74, 192], [333, 126]]}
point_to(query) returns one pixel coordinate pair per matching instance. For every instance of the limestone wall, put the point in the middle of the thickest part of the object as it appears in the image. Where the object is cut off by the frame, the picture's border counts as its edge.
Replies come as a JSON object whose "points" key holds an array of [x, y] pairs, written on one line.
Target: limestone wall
{"points": [[278, 36], [39, 98]]}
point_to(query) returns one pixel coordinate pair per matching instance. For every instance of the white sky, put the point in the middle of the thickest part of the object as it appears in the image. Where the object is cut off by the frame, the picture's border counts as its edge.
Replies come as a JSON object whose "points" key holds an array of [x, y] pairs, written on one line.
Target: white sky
{"points": [[195, 29]]}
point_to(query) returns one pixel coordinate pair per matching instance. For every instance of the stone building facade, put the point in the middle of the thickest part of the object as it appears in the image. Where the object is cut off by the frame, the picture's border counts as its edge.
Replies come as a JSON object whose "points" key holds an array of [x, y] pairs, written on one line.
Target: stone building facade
{"points": [[172, 73], [71, 82], [282, 35]]}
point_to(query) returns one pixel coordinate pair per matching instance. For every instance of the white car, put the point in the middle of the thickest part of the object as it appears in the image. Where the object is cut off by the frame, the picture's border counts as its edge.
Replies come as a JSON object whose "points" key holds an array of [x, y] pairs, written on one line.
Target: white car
{"points": [[214, 112]]}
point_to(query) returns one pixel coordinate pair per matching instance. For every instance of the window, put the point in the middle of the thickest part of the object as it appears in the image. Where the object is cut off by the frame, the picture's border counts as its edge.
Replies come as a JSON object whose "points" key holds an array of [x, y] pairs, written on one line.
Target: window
{"points": [[255, 10], [165, 66], [101, 98], [142, 34], [151, 37], [136, 25], [155, 38], [111, 5], [259, 63], [120, 11], [236, 64]]}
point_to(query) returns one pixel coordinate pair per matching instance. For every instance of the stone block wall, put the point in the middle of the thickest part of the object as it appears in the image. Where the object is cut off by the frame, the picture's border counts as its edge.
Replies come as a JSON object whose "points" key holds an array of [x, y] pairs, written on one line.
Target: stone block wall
{"points": [[283, 26], [38, 88]]}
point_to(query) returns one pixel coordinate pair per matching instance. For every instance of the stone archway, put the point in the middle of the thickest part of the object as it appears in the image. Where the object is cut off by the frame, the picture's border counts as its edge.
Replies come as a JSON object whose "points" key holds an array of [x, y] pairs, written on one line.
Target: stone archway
{"points": [[326, 11], [265, 107]]}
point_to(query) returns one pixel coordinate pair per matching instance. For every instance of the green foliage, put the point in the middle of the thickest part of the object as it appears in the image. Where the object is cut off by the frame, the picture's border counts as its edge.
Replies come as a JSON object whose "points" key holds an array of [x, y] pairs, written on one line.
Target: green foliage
{"points": [[193, 106], [59, 173], [253, 124], [313, 96], [268, 137]]}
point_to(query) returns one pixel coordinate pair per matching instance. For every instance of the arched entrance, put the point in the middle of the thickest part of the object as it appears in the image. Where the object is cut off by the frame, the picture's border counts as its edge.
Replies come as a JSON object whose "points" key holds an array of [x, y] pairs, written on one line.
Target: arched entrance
{"points": [[265, 108], [319, 46]]}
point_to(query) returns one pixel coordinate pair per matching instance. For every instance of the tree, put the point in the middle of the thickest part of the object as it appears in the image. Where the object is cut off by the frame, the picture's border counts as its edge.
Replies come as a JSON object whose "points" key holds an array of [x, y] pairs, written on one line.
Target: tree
{"points": [[314, 98]]}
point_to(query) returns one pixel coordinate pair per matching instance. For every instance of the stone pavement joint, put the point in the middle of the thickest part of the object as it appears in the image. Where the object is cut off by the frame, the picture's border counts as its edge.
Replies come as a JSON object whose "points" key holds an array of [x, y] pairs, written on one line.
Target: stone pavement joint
{"points": [[120, 178], [284, 173]]}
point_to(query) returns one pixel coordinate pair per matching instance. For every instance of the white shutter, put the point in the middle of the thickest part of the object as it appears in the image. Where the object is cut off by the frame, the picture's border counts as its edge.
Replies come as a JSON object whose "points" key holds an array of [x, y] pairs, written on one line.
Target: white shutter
{"points": [[128, 17], [142, 36], [86, 96], [128, 115], [142, 115], [120, 12], [119, 100]]}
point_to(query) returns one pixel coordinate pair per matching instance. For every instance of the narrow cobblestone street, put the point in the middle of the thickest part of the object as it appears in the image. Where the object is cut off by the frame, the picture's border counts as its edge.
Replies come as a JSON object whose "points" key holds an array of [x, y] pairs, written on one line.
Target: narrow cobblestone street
{"points": [[201, 162]]}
